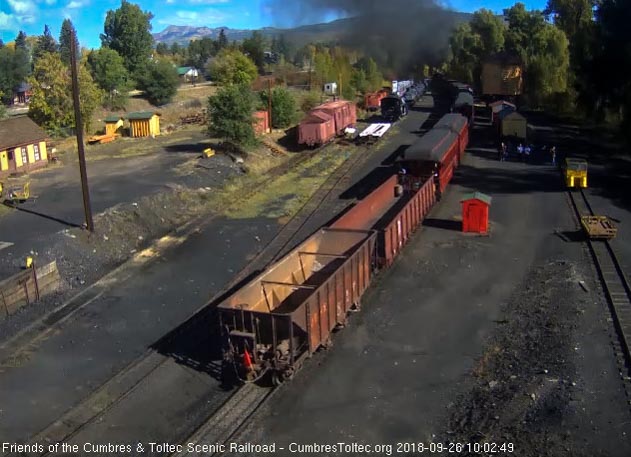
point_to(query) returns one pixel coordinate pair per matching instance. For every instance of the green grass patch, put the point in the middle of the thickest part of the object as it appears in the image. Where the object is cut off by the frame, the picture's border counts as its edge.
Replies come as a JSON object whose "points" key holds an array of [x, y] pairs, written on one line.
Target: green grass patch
{"points": [[284, 196], [4, 210]]}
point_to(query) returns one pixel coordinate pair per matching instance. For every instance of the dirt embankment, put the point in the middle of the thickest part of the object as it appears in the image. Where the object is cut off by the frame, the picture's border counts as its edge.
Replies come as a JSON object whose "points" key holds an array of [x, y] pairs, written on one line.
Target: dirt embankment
{"points": [[524, 386]]}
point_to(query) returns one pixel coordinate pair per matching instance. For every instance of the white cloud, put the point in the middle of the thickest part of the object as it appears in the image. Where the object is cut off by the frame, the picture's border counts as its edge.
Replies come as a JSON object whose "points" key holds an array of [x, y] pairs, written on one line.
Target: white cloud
{"points": [[170, 1], [7, 21], [50, 2], [74, 4], [26, 7], [208, 17]]}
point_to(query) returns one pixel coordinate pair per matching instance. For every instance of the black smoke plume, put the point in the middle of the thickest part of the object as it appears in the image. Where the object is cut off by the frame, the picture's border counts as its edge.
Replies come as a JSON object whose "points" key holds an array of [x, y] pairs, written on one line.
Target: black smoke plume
{"points": [[401, 35]]}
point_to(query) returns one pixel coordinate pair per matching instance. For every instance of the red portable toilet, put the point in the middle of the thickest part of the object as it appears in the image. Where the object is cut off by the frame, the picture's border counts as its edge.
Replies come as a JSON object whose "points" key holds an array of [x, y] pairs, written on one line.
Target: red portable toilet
{"points": [[475, 212]]}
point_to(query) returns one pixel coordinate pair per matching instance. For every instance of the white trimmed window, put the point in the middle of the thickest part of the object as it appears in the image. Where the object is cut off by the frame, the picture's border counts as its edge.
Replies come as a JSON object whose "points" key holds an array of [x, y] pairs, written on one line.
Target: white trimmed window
{"points": [[24, 156], [36, 155]]}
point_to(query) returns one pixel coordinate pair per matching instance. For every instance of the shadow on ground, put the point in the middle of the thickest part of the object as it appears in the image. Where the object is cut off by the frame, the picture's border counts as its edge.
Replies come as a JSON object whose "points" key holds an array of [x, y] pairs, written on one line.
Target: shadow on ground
{"points": [[444, 224]]}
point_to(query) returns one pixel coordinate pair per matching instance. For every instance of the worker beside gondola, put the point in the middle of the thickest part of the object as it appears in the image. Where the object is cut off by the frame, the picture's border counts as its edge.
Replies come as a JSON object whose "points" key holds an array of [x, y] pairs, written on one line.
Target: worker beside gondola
{"points": [[436, 176]]}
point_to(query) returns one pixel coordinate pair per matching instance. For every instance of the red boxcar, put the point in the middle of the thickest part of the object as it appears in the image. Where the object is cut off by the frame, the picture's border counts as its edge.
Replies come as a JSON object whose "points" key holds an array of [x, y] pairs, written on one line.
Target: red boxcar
{"points": [[457, 124], [436, 151], [317, 128], [394, 215], [344, 113]]}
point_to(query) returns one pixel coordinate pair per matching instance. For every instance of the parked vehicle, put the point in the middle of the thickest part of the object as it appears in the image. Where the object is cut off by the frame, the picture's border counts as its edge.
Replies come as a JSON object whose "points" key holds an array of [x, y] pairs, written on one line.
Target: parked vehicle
{"points": [[16, 194], [575, 172]]}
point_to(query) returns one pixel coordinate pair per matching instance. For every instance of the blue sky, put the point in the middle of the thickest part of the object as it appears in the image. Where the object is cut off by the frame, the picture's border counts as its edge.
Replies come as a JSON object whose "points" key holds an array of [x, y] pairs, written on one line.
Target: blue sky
{"points": [[88, 15]]}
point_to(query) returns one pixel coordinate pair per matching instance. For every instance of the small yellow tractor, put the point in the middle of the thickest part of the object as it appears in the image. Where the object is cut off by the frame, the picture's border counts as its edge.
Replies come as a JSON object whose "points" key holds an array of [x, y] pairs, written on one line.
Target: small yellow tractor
{"points": [[575, 172], [17, 194]]}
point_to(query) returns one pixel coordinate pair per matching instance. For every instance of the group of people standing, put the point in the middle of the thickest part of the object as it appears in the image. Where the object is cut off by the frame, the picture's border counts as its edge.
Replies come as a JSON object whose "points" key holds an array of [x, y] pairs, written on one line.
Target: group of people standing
{"points": [[524, 153]]}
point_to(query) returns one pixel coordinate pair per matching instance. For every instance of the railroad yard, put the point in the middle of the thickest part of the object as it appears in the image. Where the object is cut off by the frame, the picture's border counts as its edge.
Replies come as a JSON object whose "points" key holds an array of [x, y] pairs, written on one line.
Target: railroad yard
{"points": [[504, 340]]}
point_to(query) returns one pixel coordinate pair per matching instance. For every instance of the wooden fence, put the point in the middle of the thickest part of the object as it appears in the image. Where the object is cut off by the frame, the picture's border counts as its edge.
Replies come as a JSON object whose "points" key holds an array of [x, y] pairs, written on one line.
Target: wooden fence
{"points": [[27, 287]]}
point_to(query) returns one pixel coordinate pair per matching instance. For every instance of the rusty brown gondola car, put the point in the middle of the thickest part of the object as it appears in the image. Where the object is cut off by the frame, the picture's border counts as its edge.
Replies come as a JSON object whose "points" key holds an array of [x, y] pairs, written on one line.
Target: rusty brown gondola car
{"points": [[394, 214], [290, 309]]}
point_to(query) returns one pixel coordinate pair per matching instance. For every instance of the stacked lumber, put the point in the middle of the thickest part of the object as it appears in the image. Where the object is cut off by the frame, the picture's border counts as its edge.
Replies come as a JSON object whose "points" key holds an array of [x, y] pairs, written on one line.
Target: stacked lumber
{"points": [[196, 119]]}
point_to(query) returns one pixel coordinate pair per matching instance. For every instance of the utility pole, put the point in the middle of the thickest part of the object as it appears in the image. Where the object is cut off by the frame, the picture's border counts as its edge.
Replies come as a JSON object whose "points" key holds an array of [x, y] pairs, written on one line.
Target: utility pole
{"points": [[269, 103], [79, 129], [339, 76]]}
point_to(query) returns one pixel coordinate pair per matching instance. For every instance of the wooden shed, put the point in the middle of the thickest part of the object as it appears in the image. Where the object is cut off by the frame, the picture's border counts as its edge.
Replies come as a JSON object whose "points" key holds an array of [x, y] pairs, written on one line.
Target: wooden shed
{"points": [[144, 123], [475, 212], [112, 124], [513, 124], [261, 122]]}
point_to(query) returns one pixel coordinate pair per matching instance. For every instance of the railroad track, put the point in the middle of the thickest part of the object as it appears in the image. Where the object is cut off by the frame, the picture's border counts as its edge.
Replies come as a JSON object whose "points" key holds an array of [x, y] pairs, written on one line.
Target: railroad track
{"points": [[244, 401], [236, 411], [615, 285]]}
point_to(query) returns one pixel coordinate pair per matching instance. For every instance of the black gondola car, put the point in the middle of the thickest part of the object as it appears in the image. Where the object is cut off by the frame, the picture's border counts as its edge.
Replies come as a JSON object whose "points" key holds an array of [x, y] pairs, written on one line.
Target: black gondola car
{"points": [[393, 108]]}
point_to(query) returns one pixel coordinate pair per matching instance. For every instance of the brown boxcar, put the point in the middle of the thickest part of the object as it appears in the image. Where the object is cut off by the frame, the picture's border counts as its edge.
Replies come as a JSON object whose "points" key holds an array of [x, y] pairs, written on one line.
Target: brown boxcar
{"points": [[344, 113], [395, 216], [291, 308], [457, 124], [317, 127], [435, 152]]}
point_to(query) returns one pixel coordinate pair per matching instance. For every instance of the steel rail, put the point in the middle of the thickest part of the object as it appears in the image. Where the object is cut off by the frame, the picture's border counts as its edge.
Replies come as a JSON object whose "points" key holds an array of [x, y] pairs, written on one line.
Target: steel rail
{"points": [[613, 279]]}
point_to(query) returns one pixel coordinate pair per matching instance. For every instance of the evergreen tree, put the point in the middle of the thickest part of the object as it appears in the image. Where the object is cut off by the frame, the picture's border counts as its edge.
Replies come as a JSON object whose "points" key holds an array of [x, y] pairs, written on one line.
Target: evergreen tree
{"points": [[162, 49], [21, 66], [65, 36], [6, 73], [20, 40], [45, 43], [222, 40]]}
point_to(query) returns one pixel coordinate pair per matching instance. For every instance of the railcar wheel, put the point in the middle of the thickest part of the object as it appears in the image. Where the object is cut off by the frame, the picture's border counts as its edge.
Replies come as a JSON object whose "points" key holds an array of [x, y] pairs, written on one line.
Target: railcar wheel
{"points": [[288, 374], [277, 379]]}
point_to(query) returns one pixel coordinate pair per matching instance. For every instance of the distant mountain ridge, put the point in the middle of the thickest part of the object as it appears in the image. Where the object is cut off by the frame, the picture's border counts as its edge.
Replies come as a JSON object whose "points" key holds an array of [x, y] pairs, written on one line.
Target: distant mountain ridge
{"points": [[182, 34]]}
